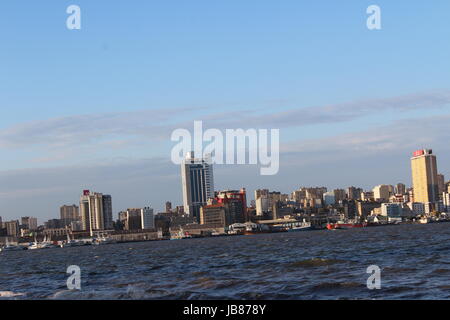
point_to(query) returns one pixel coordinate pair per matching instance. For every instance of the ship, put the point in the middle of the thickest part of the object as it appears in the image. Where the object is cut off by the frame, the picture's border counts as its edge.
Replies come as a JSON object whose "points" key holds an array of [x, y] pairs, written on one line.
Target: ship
{"points": [[301, 226], [345, 225]]}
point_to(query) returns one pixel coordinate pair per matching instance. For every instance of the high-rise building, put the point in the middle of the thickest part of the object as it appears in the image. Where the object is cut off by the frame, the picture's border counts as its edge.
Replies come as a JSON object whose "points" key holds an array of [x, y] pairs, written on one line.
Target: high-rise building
{"points": [[68, 214], [446, 201], [354, 193], [424, 176], [12, 228], [168, 207], [400, 188], [237, 203], [382, 192], [217, 214], [339, 195], [95, 211], [107, 211], [147, 218], [329, 198], [29, 223], [138, 219], [197, 182], [441, 184], [261, 201]]}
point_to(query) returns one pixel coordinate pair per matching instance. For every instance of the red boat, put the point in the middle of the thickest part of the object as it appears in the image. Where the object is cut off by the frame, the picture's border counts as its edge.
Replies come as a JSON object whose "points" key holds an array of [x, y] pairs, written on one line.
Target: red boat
{"points": [[341, 225]]}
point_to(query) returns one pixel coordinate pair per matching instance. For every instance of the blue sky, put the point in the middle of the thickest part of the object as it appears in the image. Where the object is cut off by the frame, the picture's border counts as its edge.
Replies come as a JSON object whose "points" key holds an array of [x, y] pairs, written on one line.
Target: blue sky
{"points": [[105, 98]]}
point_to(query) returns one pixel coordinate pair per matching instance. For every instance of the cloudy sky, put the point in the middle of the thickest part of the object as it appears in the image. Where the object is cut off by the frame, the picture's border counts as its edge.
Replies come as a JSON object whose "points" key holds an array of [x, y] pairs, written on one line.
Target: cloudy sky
{"points": [[95, 108]]}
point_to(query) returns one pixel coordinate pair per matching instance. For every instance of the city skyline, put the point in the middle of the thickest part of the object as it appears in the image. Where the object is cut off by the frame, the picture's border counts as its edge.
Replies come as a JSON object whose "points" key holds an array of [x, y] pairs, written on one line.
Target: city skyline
{"points": [[94, 108], [250, 195]]}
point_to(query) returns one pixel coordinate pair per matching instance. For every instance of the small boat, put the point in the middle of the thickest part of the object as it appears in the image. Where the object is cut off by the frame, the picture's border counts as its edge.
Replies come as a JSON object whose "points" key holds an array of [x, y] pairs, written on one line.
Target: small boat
{"points": [[344, 225], [45, 244], [424, 220], [72, 242], [102, 240], [10, 247]]}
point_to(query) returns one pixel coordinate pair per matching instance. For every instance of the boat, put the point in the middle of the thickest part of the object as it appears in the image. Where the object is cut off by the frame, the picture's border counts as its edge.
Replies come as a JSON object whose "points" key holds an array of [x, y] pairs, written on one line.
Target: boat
{"points": [[45, 244], [302, 226], [72, 242], [102, 240], [424, 220], [253, 229], [180, 235], [345, 225], [10, 247]]}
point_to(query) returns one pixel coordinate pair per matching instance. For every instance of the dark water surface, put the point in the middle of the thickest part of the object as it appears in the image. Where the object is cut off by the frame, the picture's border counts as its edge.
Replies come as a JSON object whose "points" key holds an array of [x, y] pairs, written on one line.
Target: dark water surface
{"points": [[414, 262]]}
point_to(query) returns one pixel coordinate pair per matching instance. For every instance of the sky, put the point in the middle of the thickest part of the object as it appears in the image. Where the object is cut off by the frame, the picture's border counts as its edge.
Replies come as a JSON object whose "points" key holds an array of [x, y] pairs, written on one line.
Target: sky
{"points": [[95, 108]]}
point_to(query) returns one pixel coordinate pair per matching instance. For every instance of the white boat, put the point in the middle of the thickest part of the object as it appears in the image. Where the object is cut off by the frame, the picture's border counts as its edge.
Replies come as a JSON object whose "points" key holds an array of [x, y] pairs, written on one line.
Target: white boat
{"points": [[72, 242], [300, 226], [102, 239], [424, 220], [181, 234], [45, 244]]}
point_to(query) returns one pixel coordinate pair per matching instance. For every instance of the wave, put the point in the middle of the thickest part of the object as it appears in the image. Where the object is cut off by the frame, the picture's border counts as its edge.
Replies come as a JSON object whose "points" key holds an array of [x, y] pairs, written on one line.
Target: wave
{"points": [[314, 262]]}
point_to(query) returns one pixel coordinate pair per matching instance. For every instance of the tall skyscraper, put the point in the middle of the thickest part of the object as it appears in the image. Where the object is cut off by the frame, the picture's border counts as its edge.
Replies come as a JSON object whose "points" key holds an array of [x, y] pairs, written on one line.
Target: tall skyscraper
{"points": [[197, 182], [95, 211], [424, 176]]}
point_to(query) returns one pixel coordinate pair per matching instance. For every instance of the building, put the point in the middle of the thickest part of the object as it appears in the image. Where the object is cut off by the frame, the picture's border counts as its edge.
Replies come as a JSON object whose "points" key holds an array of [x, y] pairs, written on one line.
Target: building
{"points": [[54, 224], [12, 228], [441, 184], [417, 208], [69, 213], [367, 196], [364, 208], [261, 201], [354, 193], [400, 188], [95, 211], [137, 219], [29, 223], [237, 204], [147, 218], [168, 206], [107, 212], [280, 210], [197, 183], [216, 214], [424, 176], [329, 198], [382, 192], [446, 201], [391, 210], [339, 195]]}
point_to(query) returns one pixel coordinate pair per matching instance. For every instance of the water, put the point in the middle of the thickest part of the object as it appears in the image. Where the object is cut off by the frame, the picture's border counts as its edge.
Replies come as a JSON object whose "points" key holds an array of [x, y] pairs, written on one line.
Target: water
{"points": [[414, 259]]}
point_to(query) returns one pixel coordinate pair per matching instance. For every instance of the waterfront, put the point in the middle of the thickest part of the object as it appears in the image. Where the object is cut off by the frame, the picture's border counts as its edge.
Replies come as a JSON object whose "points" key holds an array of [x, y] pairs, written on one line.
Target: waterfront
{"points": [[414, 259]]}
